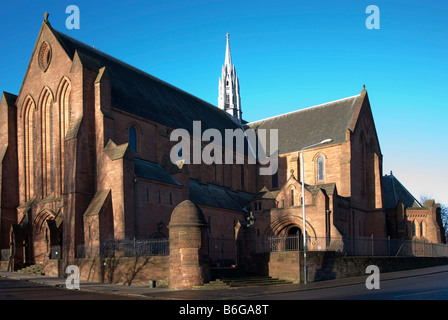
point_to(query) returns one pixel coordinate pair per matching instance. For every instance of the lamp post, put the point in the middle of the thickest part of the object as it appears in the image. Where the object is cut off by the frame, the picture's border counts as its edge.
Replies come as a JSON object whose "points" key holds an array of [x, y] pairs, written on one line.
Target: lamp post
{"points": [[302, 169]]}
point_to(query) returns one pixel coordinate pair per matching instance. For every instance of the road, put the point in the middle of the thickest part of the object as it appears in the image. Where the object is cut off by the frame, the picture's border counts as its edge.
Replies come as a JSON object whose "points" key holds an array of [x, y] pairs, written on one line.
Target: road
{"points": [[423, 287], [11, 289]]}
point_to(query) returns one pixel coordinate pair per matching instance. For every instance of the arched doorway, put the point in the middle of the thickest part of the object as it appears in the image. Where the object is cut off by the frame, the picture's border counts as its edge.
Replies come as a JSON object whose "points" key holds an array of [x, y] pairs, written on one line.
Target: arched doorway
{"points": [[47, 237], [294, 239], [294, 231]]}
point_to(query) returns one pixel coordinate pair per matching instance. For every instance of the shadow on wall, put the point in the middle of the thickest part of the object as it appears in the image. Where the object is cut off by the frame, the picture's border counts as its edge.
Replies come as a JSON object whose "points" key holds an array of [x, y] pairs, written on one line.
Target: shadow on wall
{"points": [[326, 271]]}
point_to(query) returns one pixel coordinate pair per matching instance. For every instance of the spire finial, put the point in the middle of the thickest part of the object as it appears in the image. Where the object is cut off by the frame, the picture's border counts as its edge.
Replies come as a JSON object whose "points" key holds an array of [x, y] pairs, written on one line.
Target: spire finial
{"points": [[228, 59], [364, 87], [46, 15], [229, 88]]}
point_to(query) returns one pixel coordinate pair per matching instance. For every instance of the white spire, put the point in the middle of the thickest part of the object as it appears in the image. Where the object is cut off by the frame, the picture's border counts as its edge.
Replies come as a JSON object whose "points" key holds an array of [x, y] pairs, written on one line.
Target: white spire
{"points": [[228, 60], [229, 90]]}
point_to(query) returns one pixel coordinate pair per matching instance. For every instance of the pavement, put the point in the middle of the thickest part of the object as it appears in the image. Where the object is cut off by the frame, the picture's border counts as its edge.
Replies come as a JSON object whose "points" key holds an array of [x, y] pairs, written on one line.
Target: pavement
{"points": [[241, 293]]}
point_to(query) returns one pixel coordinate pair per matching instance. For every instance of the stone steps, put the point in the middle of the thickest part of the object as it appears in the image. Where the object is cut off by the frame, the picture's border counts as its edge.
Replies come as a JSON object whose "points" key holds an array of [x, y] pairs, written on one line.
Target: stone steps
{"points": [[234, 279], [37, 269]]}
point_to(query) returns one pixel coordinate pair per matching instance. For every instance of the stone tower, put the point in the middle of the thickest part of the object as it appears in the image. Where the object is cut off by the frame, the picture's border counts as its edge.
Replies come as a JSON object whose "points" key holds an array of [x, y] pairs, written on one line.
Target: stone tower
{"points": [[188, 254], [229, 89]]}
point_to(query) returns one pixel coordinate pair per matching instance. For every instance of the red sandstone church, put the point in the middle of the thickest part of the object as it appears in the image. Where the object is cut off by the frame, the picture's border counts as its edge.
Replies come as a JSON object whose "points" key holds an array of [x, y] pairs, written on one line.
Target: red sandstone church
{"points": [[85, 162]]}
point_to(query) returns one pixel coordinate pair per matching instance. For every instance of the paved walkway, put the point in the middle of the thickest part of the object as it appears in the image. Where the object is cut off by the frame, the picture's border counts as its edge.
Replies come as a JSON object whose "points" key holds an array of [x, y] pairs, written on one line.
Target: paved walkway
{"points": [[213, 294]]}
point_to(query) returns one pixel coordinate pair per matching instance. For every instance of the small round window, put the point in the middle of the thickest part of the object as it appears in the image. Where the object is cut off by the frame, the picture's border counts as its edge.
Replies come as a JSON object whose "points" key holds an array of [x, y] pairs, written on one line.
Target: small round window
{"points": [[44, 56]]}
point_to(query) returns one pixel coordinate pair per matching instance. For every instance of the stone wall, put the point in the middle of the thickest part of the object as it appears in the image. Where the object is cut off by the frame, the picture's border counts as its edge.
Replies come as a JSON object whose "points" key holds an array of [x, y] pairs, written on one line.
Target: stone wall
{"points": [[136, 271], [328, 265]]}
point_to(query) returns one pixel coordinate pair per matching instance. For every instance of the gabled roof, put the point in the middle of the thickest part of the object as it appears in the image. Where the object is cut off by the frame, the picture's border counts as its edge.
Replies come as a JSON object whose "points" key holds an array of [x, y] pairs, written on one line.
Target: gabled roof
{"points": [[144, 95], [308, 126], [394, 191], [265, 193], [10, 98]]}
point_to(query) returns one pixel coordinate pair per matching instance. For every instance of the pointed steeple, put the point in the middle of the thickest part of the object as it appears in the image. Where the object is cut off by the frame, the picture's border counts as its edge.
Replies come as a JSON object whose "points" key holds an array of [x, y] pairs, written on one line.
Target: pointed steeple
{"points": [[228, 60], [229, 89]]}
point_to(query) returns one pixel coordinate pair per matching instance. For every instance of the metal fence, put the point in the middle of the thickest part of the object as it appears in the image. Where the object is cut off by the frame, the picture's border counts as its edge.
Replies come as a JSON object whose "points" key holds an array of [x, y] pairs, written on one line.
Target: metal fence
{"points": [[125, 248], [279, 244], [355, 246], [222, 251]]}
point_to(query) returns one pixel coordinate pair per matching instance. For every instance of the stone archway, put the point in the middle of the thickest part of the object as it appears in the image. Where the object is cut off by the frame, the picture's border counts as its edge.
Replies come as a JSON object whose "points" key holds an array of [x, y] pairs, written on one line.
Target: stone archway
{"points": [[287, 226], [281, 227], [294, 238], [44, 235]]}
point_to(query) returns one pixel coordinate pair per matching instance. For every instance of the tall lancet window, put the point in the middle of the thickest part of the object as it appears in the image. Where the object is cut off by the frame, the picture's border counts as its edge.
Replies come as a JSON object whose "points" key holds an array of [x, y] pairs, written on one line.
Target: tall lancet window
{"points": [[275, 180], [64, 113], [133, 139], [47, 164], [320, 169], [28, 116]]}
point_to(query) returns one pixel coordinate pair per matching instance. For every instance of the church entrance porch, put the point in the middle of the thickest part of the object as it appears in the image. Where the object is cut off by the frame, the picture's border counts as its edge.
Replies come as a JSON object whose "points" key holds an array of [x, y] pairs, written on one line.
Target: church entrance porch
{"points": [[36, 239]]}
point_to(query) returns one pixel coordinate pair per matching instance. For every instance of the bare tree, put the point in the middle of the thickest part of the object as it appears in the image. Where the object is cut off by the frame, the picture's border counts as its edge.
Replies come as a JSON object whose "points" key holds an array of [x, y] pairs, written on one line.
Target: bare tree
{"points": [[443, 213]]}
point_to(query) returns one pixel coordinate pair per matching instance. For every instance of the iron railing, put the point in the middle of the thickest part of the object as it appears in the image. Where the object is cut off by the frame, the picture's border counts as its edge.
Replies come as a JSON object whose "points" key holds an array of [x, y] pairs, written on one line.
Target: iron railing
{"points": [[354, 246], [125, 248]]}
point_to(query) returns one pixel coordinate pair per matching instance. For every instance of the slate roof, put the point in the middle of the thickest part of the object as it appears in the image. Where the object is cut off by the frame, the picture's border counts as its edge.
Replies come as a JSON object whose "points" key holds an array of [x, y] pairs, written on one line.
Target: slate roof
{"points": [[144, 95], [217, 196], [265, 193], [394, 191], [308, 126], [9, 98], [152, 171]]}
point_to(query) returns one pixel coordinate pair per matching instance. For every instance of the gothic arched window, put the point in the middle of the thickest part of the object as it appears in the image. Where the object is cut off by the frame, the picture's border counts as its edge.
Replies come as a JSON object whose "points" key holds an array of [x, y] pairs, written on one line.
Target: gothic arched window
{"points": [[320, 169], [47, 147], [275, 180], [133, 139], [29, 146], [62, 116]]}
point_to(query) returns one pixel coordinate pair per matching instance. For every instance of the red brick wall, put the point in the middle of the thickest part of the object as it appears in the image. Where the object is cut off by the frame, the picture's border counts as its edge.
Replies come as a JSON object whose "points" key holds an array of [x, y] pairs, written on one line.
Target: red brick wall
{"points": [[9, 187]]}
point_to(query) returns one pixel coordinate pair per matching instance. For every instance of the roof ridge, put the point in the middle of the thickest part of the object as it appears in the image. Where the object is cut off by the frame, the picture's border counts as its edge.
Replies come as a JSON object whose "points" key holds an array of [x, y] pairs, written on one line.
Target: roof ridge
{"points": [[306, 109], [403, 187], [129, 66], [9, 97]]}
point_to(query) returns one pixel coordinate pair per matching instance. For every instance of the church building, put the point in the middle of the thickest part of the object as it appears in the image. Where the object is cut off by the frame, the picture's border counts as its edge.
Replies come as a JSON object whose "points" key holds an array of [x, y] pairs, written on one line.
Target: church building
{"points": [[85, 162]]}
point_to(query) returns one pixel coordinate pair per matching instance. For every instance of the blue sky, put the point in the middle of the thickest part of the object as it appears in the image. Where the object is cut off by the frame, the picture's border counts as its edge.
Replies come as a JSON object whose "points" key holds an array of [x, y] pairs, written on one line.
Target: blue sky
{"points": [[288, 55]]}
